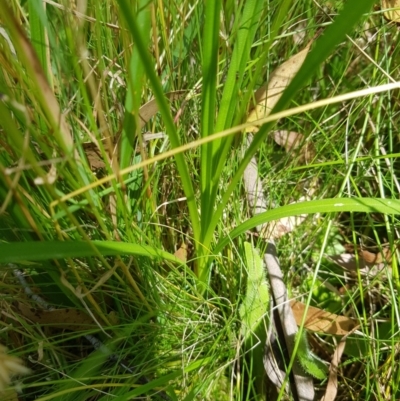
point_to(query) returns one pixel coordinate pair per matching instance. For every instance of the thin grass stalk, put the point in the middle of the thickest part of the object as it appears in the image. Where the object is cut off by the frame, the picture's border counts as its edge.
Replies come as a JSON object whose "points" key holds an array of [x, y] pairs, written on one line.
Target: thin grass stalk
{"points": [[209, 102]]}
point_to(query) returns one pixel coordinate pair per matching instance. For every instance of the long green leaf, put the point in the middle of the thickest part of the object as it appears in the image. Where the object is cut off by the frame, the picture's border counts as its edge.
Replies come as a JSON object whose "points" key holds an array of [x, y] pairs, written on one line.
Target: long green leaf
{"points": [[36, 251], [37, 15], [366, 205], [240, 57], [134, 92], [210, 73]]}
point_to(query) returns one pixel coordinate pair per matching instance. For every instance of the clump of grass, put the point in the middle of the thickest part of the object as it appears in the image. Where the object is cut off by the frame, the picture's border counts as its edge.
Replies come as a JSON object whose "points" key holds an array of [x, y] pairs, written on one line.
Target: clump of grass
{"points": [[72, 84]]}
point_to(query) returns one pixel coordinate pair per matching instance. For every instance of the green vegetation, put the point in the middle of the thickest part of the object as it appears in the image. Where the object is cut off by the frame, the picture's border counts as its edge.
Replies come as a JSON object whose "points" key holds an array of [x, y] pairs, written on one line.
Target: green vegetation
{"points": [[131, 224]]}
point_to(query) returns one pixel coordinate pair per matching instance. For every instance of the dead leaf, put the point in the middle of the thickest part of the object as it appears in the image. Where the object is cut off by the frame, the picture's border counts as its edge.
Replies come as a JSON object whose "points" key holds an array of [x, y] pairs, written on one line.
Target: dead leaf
{"points": [[321, 321], [279, 228], [294, 142], [181, 253], [149, 109], [94, 156], [391, 15], [377, 256], [268, 95], [103, 279], [367, 263], [49, 178], [9, 366], [69, 318], [265, 99], [149, 136], [332, 386], [299, 35]]}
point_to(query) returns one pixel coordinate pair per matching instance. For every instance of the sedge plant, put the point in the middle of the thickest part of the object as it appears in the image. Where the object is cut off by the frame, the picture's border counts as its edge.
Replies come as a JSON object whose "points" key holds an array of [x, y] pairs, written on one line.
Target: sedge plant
{"points": [[94, 212]]}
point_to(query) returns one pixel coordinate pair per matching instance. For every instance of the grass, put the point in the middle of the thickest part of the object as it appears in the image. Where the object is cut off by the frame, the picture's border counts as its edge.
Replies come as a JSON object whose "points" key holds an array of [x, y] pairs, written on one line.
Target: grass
{"points": [[76, 168]]}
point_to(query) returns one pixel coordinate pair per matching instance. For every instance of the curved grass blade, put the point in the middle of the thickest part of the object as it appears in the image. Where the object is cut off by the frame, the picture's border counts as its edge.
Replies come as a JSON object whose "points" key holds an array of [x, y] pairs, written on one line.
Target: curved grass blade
{"points": [[210, 74], [366, 205], [134, 92], [36, 251], [37, 16]]}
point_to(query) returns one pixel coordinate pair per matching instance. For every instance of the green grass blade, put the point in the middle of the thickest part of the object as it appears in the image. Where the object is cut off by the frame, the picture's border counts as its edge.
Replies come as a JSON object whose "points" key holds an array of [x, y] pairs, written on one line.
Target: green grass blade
{"points": [[92, 365], [40, 90], [210, 73], [15, 252], [37, 16], [365, 205], [135, 88], [240, 57]]}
